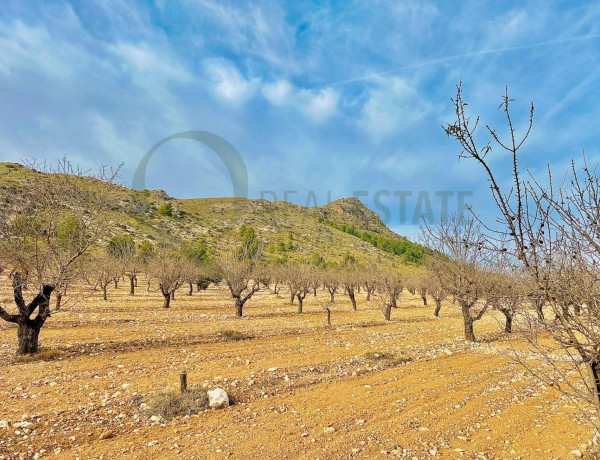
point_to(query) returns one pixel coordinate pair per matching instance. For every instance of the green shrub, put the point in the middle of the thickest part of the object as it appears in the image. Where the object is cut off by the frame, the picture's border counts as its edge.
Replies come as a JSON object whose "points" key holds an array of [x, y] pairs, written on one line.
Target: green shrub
{"points": [[165, 210]]}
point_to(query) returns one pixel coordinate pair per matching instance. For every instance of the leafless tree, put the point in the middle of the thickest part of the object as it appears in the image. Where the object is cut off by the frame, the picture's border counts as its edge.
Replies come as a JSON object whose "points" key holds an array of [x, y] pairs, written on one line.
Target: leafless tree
{"points": [[299, 279], [459, 250], [369, 283], [435, 283], [48, 221], [350, 282], [316, 281], [168, 270], [391, 284], [553, 232], [240, 272], [331, 282]]}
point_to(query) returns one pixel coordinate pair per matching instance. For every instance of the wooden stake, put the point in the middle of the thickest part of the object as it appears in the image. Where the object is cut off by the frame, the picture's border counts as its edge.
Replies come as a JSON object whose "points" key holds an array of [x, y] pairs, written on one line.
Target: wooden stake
{"points": [[183, 381]]}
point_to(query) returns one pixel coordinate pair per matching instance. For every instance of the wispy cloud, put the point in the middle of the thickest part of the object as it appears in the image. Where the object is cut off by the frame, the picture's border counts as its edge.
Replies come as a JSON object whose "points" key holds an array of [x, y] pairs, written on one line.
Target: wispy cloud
{"points": [[392, 107], [337, 96], [227, 82], [317, 105]]}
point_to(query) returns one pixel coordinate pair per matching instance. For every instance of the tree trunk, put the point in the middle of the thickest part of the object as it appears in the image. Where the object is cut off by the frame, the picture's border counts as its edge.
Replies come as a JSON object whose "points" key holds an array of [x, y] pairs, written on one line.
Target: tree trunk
{"points": [[468, 320], [132, 285], [594, 375], [292, 295], [239, 307], [191, 289], [167, 302], [329, 317], [314, 292], [332, 296], [28, 333], [438, 307], [508, 324], [105, 297], [58, 301], [173, 294], [135, 281], [393, 303], [116, 281], [352, 298], [539, 305], [300, 303], [387, 312], [368, 295], [424, 300]]}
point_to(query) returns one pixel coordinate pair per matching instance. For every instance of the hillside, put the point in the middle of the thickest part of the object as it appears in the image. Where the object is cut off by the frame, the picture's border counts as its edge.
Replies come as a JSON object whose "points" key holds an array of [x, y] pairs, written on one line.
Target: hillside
{"points": [[288, 231]]}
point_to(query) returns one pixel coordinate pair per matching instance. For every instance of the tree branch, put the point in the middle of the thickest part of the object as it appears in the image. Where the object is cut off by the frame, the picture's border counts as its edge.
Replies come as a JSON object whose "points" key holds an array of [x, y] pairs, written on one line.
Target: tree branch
{"points": [[7, 316], [41, 299], [18, 293]]}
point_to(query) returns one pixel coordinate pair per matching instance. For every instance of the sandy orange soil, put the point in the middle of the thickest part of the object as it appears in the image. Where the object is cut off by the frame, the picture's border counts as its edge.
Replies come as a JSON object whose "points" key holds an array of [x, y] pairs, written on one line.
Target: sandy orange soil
{"points": [[301, 389]]}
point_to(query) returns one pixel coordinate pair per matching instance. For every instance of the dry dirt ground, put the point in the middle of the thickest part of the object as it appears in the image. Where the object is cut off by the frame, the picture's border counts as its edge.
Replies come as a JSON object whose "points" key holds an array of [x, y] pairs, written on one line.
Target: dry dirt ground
{"points": [[301, 389]]}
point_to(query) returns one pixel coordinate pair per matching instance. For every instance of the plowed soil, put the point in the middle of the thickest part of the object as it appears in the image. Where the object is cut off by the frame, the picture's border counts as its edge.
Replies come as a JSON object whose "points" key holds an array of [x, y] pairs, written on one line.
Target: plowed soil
{"points": [[300, 389]]}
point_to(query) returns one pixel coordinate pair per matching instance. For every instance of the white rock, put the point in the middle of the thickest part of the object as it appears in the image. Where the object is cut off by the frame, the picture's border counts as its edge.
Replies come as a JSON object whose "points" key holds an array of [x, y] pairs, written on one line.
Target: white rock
{"points": [[4, 423], [24, 425], [577, 453], [217, 398], [271, 369], [155, 418]]}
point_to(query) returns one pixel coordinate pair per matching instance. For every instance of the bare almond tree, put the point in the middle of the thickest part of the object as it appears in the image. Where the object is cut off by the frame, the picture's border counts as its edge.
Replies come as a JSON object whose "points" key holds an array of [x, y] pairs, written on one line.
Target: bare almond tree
{"points": [[391, 283], [459, 251], [350, 282], [331, 282], [505, 294], [48, 220], [369, 283], [168, 270], [299, 279], [104, 269], [240, 272], [552, 233], [434, 279]]}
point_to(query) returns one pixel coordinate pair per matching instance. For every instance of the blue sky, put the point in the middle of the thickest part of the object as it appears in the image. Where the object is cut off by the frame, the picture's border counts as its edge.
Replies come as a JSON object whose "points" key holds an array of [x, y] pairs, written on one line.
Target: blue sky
{"points": [[333, 97]]}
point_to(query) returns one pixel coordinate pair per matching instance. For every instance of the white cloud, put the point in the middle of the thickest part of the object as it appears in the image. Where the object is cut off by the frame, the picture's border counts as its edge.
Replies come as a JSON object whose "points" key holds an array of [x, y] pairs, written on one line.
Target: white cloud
{"points": [[147, 61], [317, 105], [278, 93], [321, 105], [228, 83], [34, 49], [392, 106]]}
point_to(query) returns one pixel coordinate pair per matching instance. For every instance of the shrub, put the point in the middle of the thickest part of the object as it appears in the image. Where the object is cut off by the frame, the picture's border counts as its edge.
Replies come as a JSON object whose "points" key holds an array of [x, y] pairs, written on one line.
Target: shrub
{"points": [[233, 336], [387, 359], [173, 403], [45, 354], [165, 210]]}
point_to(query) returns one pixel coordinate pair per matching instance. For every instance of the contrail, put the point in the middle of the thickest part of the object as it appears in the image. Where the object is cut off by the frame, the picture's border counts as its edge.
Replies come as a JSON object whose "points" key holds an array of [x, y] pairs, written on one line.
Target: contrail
{"points": [[470, 54]]}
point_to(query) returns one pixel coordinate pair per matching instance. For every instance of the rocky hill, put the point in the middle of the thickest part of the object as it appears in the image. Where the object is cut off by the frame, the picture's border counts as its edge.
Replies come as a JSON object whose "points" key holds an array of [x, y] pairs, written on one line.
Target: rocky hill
{"points": [[288, 231]]}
